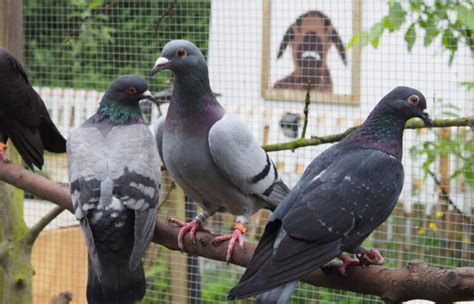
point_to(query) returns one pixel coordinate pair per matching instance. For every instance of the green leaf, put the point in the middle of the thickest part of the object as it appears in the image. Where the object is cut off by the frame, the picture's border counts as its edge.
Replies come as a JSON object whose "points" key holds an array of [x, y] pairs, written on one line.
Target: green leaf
{"points": [[469, 176], [450, 41], [95, 3], [360, 40], [468, 85], [415, 5], [375, 32], [466, 16], [410, 37], [396, 15], [430, 34]]}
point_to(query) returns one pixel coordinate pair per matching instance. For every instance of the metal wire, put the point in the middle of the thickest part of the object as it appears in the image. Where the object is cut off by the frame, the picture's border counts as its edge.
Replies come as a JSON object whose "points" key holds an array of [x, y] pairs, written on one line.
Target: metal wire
{"points": [[74, 49]]}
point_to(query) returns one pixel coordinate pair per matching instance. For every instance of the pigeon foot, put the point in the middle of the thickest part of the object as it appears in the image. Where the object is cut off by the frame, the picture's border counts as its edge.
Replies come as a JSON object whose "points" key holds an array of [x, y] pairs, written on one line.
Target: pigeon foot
{"points": [[192, 227], [236, 236], [369, 257], [346, 261], [3, 151]]}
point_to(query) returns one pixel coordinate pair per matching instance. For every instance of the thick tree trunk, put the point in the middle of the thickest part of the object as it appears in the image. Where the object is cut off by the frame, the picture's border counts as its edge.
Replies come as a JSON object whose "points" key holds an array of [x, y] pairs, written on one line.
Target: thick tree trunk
{"points": [[16, 252]]}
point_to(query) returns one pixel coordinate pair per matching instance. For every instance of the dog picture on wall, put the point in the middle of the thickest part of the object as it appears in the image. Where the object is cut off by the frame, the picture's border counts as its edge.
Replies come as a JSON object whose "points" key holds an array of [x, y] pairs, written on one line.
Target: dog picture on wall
{"points": [[305, 49]]}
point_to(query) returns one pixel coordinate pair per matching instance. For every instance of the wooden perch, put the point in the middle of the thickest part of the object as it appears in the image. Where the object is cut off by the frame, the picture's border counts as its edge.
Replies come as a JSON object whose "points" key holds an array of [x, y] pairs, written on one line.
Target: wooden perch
{"points": [[415, 281]]}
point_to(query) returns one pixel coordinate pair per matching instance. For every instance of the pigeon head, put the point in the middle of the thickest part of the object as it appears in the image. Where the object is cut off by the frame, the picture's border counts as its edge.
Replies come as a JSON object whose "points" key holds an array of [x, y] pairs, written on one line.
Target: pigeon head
{"points": [[406, 103], [120, 103], [180, 56], [127, 90], [383, 128]]}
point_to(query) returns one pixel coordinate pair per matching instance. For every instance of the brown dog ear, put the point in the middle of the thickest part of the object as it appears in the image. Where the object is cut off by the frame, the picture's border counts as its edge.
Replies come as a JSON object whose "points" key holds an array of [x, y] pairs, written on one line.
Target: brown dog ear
{"points": [[336, 39], [289, 36]]}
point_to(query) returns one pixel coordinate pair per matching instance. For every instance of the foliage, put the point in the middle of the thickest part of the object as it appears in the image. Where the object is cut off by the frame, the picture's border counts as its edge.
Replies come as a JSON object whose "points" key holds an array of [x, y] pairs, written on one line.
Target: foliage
{"points": [[452, 20], [88, 43], [160, 276], [459, 145]]}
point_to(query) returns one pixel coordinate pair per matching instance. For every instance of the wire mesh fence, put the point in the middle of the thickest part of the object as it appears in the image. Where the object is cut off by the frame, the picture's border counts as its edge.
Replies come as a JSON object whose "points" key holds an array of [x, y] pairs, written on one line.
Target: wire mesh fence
{"points": [[261, 56]]}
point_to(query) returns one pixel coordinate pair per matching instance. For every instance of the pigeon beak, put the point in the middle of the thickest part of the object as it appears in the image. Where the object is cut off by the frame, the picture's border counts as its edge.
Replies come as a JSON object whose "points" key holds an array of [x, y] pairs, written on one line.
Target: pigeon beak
{"points": [[426, 118], [147, 95], [159, 65]]}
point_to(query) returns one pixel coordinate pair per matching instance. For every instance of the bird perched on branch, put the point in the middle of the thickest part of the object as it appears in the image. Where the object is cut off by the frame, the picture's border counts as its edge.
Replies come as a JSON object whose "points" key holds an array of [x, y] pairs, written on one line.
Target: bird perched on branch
{"points": [[344, 194], [114, 176], [211, 154], [23, 115]]}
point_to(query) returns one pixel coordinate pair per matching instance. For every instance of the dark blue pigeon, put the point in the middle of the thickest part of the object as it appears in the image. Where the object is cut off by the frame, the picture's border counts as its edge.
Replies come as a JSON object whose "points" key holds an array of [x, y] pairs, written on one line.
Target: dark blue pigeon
{"points": [[114, 178], [344, 194], [211, 154]]}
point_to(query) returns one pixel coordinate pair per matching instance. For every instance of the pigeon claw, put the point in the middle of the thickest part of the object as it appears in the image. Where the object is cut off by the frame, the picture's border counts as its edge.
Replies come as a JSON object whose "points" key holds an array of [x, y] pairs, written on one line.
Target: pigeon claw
{"points": [[347, 261], [193, 227], [3, 151], [236, 236]]}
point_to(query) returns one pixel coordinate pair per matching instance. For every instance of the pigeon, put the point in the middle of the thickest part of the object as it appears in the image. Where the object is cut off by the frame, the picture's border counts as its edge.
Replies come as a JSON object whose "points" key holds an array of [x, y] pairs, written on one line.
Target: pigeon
{"points": [[344, 194], [23, 116], [114, 179], [211, 154]]}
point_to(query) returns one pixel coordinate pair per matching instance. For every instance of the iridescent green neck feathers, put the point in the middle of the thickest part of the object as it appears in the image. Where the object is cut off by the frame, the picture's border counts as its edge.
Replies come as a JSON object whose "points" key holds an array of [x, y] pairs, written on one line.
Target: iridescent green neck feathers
{"points": [[118, 113]]}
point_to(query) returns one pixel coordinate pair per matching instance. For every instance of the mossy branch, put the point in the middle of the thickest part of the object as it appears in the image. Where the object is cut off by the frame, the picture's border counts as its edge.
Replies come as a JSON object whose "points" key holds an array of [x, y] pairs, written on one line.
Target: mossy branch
{"points": [[316, 140]]}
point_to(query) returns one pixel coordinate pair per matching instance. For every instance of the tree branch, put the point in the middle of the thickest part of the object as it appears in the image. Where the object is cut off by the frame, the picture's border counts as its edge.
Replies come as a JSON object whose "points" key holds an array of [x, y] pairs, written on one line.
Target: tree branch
{"points": [[412, 124], [415, 281], [307, 101], [42, 223], [38, 185]]}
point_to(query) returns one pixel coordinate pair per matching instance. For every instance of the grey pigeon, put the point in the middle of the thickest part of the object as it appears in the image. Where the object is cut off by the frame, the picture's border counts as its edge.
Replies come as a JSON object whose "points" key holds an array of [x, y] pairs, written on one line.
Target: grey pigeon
{"points": [[23, 115], [114, 178], [210, 153], [344, 194]]}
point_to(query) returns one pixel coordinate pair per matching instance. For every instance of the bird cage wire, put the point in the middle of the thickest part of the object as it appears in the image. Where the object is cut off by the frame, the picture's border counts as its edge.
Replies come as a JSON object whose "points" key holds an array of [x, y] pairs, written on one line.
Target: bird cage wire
{"points": [[263, 56]]}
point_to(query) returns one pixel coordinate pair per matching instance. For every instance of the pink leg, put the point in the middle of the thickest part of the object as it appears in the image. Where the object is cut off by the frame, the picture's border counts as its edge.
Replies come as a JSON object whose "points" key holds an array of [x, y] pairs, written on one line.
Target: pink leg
{"points": [[346, 261], [193, 226], [3, 151], [236, 235]]}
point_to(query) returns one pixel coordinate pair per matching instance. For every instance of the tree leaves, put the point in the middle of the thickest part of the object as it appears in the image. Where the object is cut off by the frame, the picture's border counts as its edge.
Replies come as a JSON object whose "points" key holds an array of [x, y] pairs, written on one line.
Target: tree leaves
{"points": [[466, 16], [433, 18]]}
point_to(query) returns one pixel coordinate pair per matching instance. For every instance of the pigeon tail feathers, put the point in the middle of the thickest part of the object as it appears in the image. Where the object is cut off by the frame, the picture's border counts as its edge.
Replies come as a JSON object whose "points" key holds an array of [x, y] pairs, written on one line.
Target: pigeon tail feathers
{"points": [[27, 143], [279, 295], [52, 139], [119, 284]]}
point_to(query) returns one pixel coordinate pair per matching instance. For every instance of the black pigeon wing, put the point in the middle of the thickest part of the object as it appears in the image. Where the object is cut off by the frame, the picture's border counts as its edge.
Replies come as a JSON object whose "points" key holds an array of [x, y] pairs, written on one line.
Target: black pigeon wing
{"points": [[330, 211], [27, 142], [52, 139], [25, 118]]}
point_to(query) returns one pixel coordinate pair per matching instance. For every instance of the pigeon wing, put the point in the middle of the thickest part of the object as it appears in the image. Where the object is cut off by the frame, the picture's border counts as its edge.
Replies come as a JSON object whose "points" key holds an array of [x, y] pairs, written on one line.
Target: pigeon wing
{"points": [[86, 170], [329, 212], [160, 127], [243, 161]]}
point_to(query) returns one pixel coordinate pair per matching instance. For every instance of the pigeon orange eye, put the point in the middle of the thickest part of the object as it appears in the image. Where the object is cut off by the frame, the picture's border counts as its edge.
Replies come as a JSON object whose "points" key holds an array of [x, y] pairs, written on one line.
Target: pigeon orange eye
{"points": [[131, 90], [413, 99], [181, 52]]}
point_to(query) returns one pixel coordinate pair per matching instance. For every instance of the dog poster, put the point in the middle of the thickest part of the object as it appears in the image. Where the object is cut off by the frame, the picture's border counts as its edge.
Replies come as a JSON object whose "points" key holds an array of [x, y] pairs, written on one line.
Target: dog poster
{"points": [[305, 48]]}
